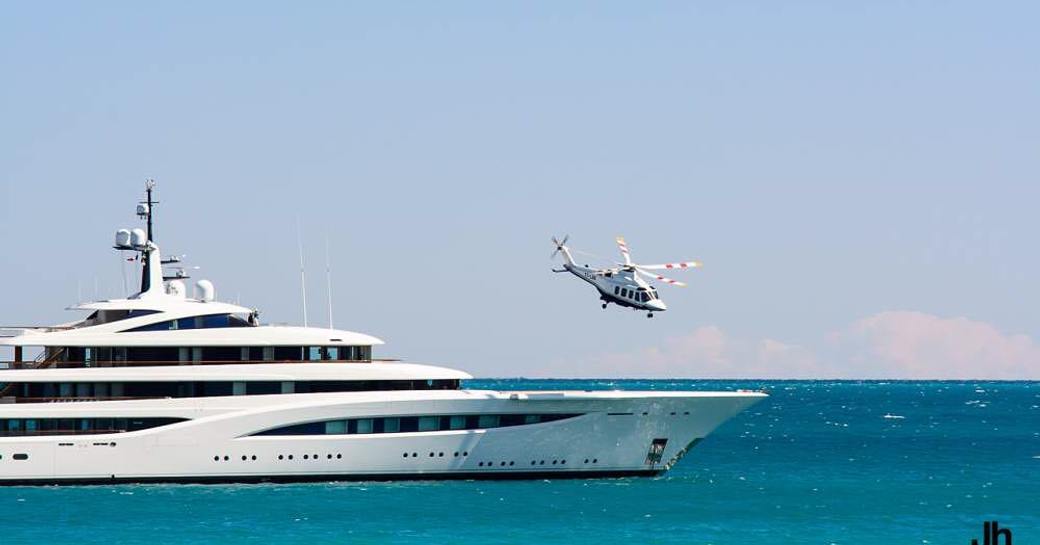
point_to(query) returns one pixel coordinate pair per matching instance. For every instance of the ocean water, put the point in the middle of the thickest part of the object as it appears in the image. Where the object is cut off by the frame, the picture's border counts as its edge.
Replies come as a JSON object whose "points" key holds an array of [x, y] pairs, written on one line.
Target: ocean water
{"points": [[818, 462]]}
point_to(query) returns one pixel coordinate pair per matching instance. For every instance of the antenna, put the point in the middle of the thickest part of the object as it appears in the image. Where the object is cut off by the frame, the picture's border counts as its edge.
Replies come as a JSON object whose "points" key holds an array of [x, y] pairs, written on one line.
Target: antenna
{"points": [[303, 277], [328, 278]]}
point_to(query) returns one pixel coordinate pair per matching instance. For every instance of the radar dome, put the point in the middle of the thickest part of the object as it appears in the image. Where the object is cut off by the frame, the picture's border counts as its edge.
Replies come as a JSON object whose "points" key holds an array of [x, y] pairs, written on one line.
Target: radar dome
{"points": [[176, 288], [206, 292], [122, 238], [138, 238]]}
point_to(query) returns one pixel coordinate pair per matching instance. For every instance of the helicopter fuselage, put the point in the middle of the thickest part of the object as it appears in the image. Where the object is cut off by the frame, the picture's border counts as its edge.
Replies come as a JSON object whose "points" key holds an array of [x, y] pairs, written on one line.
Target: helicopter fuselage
{"points": [[620, 286]]}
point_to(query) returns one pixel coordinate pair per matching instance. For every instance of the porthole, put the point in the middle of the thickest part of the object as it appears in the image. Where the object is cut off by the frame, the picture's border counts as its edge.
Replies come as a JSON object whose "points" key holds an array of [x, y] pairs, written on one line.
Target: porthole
{"points": [[338, 456], [414, 454], [456, 454], [254, 457], [440, 455], [542, 463], [586, 460], [406, 455], [304, 456], [290, 456], [502, 464], [243, 457], [216, 458], [330, 456], [280, 457], [315, 456], [554, 462], [21, 456], [465, 453], [226, 458], [687, 413], [563, 462], [594, 460], [431, 455], [533, 462], [511, 462], [481, 464]]}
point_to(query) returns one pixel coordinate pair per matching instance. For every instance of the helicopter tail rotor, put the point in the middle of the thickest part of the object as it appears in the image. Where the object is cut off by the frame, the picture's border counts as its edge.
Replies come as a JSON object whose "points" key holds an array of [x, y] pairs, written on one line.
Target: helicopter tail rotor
{"points": [[559, 244]]}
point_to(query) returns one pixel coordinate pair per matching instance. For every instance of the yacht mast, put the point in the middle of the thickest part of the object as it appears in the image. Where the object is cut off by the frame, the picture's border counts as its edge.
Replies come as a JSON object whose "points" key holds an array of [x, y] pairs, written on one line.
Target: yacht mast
{"points": [[144, 209]]}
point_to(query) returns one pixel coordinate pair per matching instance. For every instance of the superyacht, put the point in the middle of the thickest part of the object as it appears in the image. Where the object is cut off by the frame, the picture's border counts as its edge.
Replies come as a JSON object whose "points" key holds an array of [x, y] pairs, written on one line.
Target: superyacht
{"points": [[163, 386]]}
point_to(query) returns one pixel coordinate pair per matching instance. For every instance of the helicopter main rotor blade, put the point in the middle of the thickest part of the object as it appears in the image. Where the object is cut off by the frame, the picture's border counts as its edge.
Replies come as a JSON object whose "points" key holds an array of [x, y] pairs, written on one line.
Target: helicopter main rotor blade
{"points": [[624, 250], [663, 266], [661, 278]]}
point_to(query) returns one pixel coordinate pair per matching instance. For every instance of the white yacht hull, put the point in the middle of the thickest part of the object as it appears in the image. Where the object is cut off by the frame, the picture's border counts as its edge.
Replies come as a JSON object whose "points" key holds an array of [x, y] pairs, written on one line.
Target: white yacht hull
{"points": [[611, 437]]}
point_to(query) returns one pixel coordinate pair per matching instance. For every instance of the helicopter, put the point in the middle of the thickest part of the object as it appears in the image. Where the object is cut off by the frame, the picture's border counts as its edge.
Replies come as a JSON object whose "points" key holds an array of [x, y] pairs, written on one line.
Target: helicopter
{"points": [[622, 285]]}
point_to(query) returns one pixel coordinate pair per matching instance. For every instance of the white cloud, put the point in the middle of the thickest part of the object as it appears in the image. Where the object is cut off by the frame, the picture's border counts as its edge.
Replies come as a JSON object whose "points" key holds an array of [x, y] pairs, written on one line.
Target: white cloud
{"points": [[894, 344], [706, 352], [918, 345]]}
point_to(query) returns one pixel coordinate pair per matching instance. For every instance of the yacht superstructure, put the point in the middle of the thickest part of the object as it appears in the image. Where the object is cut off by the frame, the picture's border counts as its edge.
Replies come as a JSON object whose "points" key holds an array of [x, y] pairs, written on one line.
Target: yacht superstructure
{"points": [[161, 386]]}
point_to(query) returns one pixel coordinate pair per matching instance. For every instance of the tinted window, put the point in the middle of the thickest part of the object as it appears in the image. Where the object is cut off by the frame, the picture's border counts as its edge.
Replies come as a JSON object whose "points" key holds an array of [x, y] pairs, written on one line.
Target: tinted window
{"points": [[407, 424]]}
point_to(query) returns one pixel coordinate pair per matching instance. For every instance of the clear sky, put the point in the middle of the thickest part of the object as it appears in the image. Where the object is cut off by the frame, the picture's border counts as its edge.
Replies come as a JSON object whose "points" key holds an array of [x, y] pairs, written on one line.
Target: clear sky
{"points": [[860, 179]]}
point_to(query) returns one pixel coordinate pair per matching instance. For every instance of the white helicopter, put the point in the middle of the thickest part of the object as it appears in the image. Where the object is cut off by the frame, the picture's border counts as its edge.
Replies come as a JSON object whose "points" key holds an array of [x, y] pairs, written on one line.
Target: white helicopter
{"points": [[622, 285]]}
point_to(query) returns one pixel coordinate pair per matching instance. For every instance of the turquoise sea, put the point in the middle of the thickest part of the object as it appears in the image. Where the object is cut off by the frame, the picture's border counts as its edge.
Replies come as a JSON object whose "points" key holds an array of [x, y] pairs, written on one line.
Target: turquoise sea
{"points": [[818, 462]]}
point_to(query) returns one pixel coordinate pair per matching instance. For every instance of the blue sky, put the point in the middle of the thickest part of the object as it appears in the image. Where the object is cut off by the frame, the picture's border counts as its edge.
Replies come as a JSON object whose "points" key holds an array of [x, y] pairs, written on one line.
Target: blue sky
{"points": [[860, 180]]}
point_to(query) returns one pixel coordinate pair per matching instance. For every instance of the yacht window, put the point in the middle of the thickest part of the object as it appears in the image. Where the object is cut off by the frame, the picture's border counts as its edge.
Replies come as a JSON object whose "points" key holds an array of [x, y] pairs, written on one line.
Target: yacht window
{"points": [[332, 353], [408, 424], [70, 426], [294, 353], [263, 387], [215, 321], [28, 392], [314, 353], [208, 321], [336, 427], [429, 423]]}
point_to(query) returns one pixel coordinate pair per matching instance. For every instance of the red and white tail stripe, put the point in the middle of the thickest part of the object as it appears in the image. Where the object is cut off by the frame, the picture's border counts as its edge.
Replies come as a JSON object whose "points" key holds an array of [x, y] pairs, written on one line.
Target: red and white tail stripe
{"points": [[624, 250], [663, 266]]}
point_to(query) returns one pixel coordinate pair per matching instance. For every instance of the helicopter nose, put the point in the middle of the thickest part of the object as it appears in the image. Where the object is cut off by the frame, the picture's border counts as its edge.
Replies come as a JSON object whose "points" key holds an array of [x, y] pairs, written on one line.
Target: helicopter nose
{"points": [[657, 305]]}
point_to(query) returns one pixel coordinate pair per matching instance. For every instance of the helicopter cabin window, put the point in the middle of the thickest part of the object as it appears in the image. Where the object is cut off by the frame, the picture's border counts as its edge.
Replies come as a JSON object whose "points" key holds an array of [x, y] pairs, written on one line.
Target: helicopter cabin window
{"points": [[617, 290], [624, 292]]}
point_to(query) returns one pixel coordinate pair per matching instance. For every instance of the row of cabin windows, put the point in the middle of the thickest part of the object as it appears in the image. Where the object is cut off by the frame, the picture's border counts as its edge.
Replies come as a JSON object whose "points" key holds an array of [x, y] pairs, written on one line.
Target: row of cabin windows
{"points": [[209, 321], [102, 390], [11, 427], [640, 296], [88, 354], [406, 424]]}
